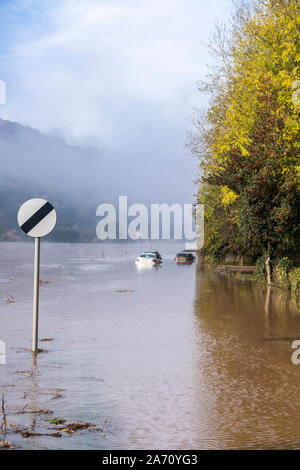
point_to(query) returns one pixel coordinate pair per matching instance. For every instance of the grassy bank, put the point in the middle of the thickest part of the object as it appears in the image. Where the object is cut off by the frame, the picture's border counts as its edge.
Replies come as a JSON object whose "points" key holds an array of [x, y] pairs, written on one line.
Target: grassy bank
{"points": [[285, 275]]}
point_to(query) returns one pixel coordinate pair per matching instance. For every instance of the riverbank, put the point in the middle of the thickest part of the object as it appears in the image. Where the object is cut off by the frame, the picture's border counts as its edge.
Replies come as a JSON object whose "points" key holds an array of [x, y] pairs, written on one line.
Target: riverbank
{"points": [[284, 275]]}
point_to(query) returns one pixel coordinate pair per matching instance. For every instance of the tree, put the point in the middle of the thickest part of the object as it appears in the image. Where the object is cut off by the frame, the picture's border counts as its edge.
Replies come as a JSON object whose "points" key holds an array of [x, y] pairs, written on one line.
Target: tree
{"points": [[265, 180], [253, 80]]}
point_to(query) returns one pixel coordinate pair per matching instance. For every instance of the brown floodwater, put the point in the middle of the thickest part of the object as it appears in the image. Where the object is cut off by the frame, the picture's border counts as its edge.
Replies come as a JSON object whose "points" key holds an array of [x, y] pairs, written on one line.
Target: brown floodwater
{"points": [[169, 357]]}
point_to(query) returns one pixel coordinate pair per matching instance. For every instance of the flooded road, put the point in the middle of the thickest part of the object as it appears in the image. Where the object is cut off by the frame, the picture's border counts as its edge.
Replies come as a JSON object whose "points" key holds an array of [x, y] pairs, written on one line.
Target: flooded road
{"points": [[187, 360]]}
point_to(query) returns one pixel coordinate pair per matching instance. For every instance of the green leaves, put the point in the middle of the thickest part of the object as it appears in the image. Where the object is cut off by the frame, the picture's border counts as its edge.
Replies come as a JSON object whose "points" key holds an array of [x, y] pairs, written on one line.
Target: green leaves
{"points": [[252, 130]]}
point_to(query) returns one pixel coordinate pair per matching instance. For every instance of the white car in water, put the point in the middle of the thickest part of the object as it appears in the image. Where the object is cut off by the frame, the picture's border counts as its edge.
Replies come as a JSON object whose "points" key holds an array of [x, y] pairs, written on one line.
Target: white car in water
{"points": [[149, 257]]}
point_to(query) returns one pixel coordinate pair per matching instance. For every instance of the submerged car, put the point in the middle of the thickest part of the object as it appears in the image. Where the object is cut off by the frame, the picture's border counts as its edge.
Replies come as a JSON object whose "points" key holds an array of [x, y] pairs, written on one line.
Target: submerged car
{"points": [[149, 257], [184, 258], [155, 253]]}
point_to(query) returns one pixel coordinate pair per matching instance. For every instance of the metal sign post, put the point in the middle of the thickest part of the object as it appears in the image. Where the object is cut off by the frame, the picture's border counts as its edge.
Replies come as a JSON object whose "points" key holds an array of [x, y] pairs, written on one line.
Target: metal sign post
{"points": [[36, 288], [36, 218]]}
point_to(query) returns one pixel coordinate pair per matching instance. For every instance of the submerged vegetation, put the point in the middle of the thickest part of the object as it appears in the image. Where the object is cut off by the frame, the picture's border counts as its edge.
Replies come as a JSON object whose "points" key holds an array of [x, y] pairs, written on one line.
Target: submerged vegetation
{"points": [[60, 426], [248, 141]]}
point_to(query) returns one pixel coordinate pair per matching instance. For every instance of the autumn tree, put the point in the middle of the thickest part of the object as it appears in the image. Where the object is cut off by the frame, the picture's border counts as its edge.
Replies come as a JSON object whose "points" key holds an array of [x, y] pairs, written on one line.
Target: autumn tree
{"points": [[265, 181], [253, 80]]}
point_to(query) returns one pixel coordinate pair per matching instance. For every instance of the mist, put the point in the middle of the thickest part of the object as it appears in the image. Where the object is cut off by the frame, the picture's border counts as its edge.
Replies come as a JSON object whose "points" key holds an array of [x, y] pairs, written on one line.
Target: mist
{"points": [[105, 90]]}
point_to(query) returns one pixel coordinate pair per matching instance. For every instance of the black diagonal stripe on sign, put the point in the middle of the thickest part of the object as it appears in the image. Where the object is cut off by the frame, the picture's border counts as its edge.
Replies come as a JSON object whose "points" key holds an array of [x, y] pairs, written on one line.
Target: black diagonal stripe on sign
{"points": [[37, 217]]}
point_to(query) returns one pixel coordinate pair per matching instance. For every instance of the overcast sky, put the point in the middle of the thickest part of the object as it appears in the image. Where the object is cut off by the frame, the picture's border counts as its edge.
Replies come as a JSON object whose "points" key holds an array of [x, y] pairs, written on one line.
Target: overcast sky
{"points": [[117, 74]]}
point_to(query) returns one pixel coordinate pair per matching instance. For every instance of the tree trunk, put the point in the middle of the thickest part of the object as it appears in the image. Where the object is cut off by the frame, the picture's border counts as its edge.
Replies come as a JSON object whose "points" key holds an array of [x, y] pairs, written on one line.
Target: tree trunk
{"points": [[268, 266], [241, 260]]}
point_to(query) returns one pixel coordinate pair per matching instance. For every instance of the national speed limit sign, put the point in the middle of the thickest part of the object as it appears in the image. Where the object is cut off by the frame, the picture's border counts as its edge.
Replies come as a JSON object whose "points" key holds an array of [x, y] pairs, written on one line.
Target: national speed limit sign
{"points": [[37, 217]]}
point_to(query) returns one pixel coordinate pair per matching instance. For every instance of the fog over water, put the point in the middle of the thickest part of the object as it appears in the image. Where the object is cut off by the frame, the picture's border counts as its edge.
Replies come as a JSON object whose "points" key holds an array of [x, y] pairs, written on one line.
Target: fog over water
{"points": [[118, 77]]}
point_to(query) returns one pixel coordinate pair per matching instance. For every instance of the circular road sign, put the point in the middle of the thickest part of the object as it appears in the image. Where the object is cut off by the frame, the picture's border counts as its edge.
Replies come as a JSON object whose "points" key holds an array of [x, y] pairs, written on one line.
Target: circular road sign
{"points": [[37, 217]]}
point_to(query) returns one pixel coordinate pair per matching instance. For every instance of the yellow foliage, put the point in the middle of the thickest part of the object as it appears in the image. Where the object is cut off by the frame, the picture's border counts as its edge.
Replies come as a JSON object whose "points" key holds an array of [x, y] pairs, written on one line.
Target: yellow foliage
{"points": [[264, 44], [228, 197]]}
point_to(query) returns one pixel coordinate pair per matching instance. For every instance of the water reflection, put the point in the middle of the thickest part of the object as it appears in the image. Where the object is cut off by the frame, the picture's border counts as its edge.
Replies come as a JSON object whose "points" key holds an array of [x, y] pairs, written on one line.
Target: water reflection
{"points": [[243, 336], [147, 267], [33, 393]]}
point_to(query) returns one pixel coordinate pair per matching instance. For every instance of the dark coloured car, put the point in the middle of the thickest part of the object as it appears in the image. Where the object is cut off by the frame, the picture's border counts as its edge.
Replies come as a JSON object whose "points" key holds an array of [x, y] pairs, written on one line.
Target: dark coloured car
{"points": [[184, 258]]}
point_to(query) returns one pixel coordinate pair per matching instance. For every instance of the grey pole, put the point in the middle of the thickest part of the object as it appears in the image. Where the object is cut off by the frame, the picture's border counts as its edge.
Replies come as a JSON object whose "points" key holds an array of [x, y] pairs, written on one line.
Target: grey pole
{"points": [[36, 286]]}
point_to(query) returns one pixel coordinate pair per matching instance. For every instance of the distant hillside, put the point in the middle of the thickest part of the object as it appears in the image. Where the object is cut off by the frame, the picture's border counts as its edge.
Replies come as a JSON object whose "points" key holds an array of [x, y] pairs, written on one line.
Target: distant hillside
{"points": [[36, 165]]}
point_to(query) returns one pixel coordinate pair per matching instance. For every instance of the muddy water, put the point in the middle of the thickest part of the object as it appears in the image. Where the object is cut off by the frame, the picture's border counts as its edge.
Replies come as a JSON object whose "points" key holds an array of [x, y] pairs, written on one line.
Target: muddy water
{"points": [[186, 360]]}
